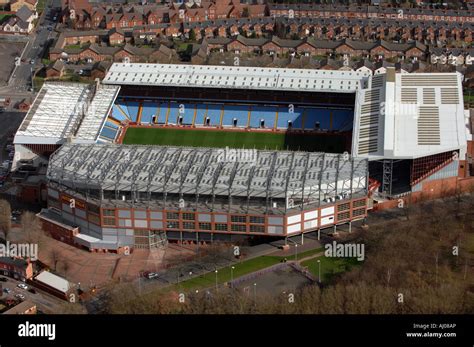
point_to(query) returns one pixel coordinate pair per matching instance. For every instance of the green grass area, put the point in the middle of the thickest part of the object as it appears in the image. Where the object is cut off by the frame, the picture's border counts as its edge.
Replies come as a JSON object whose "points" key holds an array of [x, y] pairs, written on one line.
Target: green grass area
{"points": [[72, 47], [4, 17], [38, 82], [234, 139], [40, 5], [224, 275], [469, 99], [240, 269], [330, 267]]}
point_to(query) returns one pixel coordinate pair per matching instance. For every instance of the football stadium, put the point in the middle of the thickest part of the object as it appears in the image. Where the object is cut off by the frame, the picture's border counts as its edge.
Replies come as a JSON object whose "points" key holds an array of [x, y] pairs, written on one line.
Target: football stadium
{"points": [[205, 153]]}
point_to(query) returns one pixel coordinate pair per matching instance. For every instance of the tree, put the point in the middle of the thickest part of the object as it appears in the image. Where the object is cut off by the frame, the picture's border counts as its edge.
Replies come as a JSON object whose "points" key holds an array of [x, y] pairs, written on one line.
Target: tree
{"points": [[5, 218], [192, 35], [55, 257]]}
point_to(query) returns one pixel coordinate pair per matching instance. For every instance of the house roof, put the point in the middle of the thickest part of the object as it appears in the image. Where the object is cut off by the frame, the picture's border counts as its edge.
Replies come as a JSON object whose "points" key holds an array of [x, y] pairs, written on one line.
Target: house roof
{"points": [[58, 65], [24, 13]]}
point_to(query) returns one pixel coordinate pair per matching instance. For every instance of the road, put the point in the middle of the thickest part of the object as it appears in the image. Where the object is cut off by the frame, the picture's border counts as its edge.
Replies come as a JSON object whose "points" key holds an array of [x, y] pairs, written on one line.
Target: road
{"points": [[21, 79], [44, 302], [20, 82]]}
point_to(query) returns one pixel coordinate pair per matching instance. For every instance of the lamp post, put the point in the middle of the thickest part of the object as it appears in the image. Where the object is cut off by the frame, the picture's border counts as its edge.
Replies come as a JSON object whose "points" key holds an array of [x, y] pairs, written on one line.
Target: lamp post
{"points": [[319, 270], [216, 279], [232, 274], [296, 252], [255, 293]]}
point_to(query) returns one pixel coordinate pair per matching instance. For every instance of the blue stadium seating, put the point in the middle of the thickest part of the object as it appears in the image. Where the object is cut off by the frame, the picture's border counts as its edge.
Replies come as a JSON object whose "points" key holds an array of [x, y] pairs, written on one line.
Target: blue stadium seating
{"points": [[161, 113], [267, 114], [109, 124], [187, 113], [328, 119], [197, 113], [173, 113], [284, 116], [132, 107], [149, 109], [109, 133], [119, 113], [211, 111], [241, 113]]}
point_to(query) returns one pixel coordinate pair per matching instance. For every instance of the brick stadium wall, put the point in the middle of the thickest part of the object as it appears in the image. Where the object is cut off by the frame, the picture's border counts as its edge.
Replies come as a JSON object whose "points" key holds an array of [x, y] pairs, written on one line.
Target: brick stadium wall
{"points": [[432, 190]]}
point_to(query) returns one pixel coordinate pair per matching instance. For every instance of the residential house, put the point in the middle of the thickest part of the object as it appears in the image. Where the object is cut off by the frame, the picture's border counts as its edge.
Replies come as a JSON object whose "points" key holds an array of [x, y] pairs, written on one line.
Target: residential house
{"points": [[55, 69], [15, 5]]}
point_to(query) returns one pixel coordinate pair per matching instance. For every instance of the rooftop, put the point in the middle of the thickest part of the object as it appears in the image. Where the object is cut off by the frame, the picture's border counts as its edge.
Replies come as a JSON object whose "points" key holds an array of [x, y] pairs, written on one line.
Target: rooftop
{"points": [[63, 110], [205, 171], [235, 77]]}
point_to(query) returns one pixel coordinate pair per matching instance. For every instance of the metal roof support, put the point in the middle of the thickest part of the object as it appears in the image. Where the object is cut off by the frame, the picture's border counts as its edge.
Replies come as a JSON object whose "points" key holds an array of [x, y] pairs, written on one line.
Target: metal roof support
{"points": [[249, 183], [337, 174], [303, 182], [321, 177], [215, 177], [156, 165], [231, 182], [200, 174], [169, 170], [268, 186], [288, 175]]}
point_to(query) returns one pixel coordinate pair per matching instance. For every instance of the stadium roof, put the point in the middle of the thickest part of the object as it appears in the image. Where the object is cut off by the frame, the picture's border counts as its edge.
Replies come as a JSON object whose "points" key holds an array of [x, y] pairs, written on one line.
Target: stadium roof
{"points": [[63, 110], [407, 116], [205, 171], [235, 77]]}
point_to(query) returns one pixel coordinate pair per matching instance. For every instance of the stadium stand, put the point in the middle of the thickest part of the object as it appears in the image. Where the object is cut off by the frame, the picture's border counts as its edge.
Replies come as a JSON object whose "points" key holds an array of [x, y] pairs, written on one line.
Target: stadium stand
{"points": [[149, 109], [235, 115], [263, 117], [285, 118], [133, 107]]}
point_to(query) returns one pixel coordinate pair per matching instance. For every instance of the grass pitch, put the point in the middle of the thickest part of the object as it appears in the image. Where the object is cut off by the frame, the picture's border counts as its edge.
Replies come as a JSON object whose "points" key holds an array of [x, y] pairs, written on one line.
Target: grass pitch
{"points": [[234, 139]]}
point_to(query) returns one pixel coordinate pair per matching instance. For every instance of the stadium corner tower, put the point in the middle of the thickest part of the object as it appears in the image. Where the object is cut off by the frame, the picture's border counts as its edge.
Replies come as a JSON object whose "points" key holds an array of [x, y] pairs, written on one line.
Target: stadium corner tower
{"points": [[328, 131]]}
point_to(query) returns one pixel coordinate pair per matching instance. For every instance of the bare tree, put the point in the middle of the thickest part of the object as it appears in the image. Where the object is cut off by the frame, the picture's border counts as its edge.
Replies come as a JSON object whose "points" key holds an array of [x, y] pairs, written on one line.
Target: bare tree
{"points": [[5, 218], [55, 257]]}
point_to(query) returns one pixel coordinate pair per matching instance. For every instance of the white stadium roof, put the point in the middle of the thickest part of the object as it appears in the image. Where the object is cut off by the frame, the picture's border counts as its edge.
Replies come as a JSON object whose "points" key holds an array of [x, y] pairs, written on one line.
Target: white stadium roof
{"points": [[62, 110], [242, 77], [205, 170], [407, 116]]}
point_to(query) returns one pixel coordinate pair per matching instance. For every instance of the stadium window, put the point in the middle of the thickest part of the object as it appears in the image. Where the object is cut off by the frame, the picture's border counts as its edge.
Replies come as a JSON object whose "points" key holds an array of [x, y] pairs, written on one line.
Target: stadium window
{"points": [[173, 225], [220, 227], [188, 225], [172, 215], [238, 228], [188, 216], [257, 229], [109, 221], [204, 226], [257, 219], [238, 219], [108, 213]]}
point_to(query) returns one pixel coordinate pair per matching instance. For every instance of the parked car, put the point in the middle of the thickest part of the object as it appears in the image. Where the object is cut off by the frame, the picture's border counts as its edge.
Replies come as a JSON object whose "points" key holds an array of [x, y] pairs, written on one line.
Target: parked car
{"points": [[22, 286], [151, 275], [32, 291], [3, 279], [20, 296], [7, 290]]}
